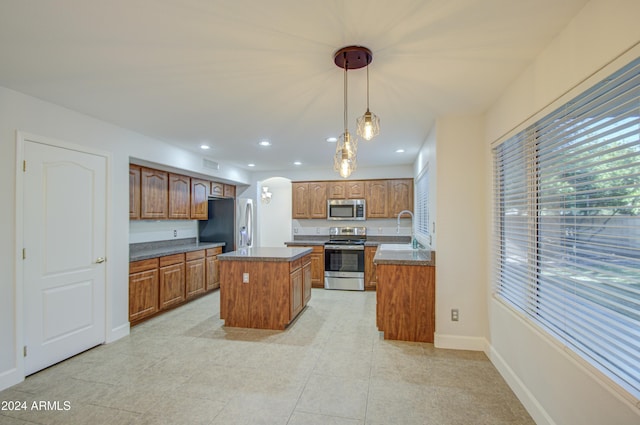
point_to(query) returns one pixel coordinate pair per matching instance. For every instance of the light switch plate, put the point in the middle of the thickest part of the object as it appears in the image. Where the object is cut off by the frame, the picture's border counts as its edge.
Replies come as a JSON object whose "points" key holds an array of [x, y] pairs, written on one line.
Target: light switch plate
{"points": [[245, 277]]}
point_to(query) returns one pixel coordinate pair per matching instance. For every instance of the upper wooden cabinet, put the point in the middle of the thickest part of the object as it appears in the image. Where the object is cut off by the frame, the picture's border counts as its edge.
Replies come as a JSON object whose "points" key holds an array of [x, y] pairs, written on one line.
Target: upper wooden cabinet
{"points": [[154, 191], [134, 192], [400, 196], [217, 189], [349, 189], [199, 196], [376, 195], [309, 200], [179, 196], [229, 191]]}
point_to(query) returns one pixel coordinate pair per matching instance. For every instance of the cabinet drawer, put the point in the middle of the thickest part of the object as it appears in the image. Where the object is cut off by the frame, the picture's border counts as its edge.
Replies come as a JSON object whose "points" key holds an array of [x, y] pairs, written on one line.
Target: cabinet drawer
{"points": [[214, 251], [143, 265], [168, 260], [195, 255], [295, 264]]}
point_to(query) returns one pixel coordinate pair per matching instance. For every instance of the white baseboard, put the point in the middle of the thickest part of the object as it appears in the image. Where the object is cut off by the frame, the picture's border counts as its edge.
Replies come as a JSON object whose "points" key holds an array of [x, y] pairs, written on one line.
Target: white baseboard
{"points": [[457, 342], [117, 333], [10, 378], [535, 409]]}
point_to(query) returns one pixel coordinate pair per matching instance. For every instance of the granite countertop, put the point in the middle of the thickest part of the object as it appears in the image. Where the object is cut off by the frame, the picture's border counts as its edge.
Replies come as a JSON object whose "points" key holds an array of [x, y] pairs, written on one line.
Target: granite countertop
{"points": [[268, 254], [307, 242], [146, 250], [416, 257]]}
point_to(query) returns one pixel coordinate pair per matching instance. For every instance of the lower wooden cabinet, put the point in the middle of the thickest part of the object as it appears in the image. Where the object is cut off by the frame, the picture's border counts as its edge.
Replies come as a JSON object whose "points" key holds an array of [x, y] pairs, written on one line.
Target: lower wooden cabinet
{"points": [[195, 273], [172, 280], [296, 289], [306, 280], [143, 289], [317, 266], [212, 275], [370, 274]]}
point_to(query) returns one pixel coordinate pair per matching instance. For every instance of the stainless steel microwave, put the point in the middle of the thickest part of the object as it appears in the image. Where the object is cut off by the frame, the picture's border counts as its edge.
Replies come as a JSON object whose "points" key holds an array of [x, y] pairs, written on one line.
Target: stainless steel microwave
{"points": [[346, 209]]}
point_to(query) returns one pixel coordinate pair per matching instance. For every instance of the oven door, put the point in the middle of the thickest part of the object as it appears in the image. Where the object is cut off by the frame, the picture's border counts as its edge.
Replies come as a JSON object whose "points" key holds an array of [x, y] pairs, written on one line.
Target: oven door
{"points": [[344, 267]]}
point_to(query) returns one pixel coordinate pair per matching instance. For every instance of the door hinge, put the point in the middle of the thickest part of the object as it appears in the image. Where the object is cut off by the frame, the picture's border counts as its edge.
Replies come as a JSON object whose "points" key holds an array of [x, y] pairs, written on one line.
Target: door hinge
{"points": [[24, 351], [24, 166], [24, 253]]}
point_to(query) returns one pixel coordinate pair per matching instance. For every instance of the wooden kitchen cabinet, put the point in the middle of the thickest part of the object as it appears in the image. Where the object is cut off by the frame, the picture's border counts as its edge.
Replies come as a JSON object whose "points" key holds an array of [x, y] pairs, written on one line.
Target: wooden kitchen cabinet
{"points": [[199, 199], [370, 274], [143, 289], [154, 190], [309, 200], [376, 196], [400, 196], [134, 192], [212, 268], [195, 266], [405, 308], [179, 196], [336, 190], [172, 280], [317, 266], [306, 280], [217, 189], [229, 191], [355, 189], [296, 292]]}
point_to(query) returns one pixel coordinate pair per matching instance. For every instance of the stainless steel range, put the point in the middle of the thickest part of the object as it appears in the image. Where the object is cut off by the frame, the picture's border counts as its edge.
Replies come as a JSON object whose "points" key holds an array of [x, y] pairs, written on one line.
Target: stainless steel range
{"points": [[344, 258]]}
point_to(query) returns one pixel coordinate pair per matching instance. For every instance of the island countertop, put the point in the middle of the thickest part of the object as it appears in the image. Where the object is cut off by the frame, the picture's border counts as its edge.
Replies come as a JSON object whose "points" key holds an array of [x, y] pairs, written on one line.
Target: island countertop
{"points": [[267, 254], [418, 257]]}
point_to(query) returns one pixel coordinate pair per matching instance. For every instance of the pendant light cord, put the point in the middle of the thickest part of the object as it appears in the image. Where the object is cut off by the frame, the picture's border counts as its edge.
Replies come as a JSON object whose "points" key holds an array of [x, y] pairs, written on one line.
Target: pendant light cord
{"points": [[346, 65], [367, 87]]}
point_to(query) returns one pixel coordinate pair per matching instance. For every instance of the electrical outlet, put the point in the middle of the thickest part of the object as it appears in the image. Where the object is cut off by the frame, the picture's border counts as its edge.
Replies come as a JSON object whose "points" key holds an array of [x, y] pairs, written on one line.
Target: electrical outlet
{"points": [[379, 230], [295, 230], [175, 233], [455, 315], [245, 277], [317, 230]]}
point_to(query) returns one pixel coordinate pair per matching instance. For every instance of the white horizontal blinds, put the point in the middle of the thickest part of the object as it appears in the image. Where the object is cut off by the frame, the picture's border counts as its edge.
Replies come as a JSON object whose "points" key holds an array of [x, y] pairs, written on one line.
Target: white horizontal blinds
{"points": [[422, 205], [583, 247]]}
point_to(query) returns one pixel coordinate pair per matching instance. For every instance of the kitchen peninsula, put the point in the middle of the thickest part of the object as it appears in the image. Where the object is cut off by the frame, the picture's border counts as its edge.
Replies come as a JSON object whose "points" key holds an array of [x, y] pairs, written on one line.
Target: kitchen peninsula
{"points": [[264, 288]]}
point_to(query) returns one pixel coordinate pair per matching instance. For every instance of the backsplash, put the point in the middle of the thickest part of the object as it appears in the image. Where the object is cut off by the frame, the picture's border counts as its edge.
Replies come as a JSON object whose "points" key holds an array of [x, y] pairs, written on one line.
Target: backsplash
{"points": [[375, 227], [161, 230]]}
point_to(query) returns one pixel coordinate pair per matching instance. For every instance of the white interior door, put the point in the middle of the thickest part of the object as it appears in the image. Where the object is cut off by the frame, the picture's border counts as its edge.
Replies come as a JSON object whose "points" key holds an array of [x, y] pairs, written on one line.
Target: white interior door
{"points": [[65, 242]]}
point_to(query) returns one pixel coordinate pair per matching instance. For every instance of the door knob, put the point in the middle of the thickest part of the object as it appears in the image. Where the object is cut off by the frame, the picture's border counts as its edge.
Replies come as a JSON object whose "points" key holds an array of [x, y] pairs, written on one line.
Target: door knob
{"points": [[100, 260]]}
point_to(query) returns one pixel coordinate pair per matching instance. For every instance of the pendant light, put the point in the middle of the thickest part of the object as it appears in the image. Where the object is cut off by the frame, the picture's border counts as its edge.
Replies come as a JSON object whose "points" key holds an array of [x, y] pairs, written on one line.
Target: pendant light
{"points": [[369, 124], [344, 160]]}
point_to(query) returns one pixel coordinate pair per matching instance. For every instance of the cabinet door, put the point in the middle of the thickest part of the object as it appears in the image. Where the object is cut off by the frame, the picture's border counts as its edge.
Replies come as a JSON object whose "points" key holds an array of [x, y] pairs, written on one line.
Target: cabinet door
{"points": [[217, 189], [134, 192], [212, 273], [400, 196], [317, 267], [376, 197], [300, 201], [154, 189], [296, 293], [199, 203], [336, 190], [318, 200], [171, 285], [229, 191], [143, 294], [370, 276], [179, 196], [354, 189], [306, 281], [194, 280]]}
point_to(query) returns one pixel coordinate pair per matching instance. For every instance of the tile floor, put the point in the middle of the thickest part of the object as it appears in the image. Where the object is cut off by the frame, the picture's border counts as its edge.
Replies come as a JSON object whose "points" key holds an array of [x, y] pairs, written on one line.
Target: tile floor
{"points": [[330, 367]]}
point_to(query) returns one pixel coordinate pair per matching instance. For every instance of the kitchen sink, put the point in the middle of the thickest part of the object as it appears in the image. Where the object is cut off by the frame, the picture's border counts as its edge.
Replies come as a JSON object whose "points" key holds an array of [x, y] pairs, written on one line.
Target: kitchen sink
{"points": [[396, 247]]}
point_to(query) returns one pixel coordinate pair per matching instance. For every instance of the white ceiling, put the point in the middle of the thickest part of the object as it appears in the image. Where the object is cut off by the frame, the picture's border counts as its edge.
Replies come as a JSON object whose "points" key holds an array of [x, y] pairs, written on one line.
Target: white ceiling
{"points": [[230, 73]]}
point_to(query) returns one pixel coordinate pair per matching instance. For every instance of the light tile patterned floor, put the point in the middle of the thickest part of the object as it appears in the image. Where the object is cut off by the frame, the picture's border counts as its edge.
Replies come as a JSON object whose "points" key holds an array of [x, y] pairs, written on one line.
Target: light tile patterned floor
{"points": [[330, 367]]}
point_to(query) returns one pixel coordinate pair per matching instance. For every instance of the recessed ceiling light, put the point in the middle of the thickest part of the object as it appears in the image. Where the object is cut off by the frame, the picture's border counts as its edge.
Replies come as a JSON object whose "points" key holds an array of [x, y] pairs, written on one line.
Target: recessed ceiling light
{"points": [[332, 139], [205, 147], [297, 163], [251, 165], [264, 142], [399, 150]]}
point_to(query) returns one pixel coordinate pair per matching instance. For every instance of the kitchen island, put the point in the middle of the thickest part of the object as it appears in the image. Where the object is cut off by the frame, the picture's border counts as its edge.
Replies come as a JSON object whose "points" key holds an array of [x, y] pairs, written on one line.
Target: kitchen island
{"points": [[264, 288]]}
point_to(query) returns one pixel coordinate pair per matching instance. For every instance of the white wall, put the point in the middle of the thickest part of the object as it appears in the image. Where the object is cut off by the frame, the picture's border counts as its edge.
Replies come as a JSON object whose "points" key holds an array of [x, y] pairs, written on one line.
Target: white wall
{"points": [[274, 218], [461, 258], [33, 116], [554, 385]]}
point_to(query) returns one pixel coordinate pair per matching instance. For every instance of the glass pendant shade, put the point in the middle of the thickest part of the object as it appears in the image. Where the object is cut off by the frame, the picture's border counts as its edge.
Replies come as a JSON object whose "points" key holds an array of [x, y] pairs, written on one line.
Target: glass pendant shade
{"points": [[344, 161], [368, 125]]}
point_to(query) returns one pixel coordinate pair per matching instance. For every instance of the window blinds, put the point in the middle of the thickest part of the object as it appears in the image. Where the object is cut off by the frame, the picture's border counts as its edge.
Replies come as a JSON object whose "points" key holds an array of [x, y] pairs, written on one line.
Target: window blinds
{"points": [[567, 222], [422, 207]]}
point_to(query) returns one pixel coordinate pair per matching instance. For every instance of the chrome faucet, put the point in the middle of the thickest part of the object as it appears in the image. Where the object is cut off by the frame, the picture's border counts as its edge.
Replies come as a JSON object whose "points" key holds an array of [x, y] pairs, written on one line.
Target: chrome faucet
{"points": [[399, 214]]}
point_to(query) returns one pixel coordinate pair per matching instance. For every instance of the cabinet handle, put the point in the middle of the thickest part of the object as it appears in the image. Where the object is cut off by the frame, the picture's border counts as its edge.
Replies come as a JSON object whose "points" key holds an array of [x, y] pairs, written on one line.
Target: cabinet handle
{"points": [[100, 260]]}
